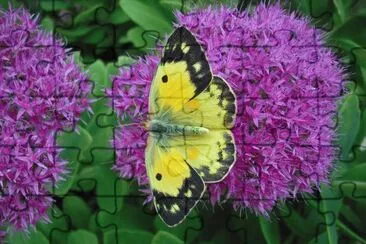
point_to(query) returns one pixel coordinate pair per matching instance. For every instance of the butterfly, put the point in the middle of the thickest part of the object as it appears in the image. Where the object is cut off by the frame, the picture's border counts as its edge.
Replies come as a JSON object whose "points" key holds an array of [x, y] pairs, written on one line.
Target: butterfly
{"points": [[191, 112]]}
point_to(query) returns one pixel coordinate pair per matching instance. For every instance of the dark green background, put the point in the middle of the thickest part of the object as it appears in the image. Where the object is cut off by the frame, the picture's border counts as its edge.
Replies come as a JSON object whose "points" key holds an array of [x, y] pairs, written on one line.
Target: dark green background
{"points": [[107, 34]]}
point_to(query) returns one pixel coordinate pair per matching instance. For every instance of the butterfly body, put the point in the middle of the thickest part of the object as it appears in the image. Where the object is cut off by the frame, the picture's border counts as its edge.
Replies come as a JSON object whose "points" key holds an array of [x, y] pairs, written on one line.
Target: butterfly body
{"points": [[162, 128], [190, 143]]}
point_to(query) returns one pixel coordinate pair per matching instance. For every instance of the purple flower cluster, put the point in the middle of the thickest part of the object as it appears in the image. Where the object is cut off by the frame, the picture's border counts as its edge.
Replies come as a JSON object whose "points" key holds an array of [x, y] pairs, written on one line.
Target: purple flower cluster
{"points": [[287, 85], [41, 91]]}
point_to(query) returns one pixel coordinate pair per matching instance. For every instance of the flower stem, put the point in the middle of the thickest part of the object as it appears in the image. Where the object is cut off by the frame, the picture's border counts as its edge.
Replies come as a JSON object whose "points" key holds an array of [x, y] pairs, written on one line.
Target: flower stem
{"points": [[349, 232]]}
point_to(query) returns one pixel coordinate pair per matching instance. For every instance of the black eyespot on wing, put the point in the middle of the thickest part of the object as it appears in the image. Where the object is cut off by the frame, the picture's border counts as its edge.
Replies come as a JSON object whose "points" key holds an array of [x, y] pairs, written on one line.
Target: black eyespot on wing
{"points": [[158, 176], [183, 46], [164, 79], [174, 209]]}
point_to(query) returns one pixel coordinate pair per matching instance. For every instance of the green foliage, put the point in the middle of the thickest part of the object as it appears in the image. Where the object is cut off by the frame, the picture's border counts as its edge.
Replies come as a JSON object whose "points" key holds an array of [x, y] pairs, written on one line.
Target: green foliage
{"points": [[82, 236], [78, 211], [127, 236], [348, 129], [163, 237], [270, 230], [335, 214], [35, 237]]}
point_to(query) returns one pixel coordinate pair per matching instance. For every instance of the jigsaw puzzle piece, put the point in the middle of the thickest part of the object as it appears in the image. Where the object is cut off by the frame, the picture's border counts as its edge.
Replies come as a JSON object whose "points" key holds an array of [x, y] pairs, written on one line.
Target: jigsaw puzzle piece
{"points": [[141, 37], [327, 204], [78, 26], [123, 220], [351, 128], [350, 182], [245, 228], [300, 218], [357, 63], [77, 209], [55, 231]]}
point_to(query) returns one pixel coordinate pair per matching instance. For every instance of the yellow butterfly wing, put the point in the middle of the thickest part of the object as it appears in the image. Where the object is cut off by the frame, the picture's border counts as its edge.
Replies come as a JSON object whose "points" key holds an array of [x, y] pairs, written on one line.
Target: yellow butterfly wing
{"points": [[182, 74], [175, 184], [212, 155], [214, 108], [184, 92]]}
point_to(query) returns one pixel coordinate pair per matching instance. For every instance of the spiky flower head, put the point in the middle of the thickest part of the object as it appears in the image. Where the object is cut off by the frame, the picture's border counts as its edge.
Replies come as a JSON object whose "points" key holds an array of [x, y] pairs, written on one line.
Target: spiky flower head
{"points": [[42, 91], [287, 85]]}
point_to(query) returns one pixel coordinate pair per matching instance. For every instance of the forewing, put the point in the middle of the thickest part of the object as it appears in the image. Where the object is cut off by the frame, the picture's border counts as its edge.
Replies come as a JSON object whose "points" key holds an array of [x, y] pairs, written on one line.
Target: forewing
{"points": [[182, 74], [214, 108]]}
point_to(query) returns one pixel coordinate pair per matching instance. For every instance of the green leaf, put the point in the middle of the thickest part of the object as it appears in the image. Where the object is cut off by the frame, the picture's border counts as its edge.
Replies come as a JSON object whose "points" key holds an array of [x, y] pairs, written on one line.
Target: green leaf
{"points": [[173, 4], [78, 211], [134, 35], [56, 229], [350, 30], [78, 59], [74, 143], [191, 221], [342, 7], [54, 5], [303, 6], [246, 227], [359, 207], [170, 6], [75, 33], [292, 220], [351, 180], [93, 226], [356, 173], [299, 225], [110, 186], [355, 190], [130, 217], [348, 231], [320, 238], [349, 123], [101, 148], [35, 237], [141, 38], [352, 217], [96, 36], [99, 75], [360, 55], [221, 236], [48, 23], [5, 4], [125, 61], [87, 16], [153, 17], [319, 7], [82, 236], [163, 237], [270, 230], [127, 236], [330, 207], [117, 17]]}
